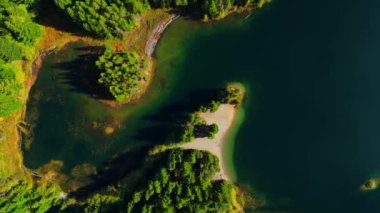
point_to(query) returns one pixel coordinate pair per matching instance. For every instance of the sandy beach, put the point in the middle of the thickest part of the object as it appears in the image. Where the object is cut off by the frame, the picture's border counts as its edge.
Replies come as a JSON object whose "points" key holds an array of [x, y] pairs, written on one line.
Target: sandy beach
{"points": [[223, 117]]}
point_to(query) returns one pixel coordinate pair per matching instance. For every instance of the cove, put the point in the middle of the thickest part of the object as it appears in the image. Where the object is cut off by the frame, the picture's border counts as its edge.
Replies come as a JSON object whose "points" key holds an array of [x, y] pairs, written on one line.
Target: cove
{"points": [[310, 134]]}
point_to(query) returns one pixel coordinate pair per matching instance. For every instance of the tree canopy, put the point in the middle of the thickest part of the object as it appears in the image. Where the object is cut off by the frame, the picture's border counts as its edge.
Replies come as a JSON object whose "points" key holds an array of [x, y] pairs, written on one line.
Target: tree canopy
{"points": [[184, 183], [104, 18], [18, 35], [111, 18], [122, 73], [24, 197]]}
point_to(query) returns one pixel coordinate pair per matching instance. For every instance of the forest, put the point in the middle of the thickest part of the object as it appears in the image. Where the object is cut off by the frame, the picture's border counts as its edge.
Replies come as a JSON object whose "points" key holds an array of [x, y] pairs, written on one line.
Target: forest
{"points": [[181, 180], [178, 181], [104, 18], [18, 37], [112, 18], [22, 196], [185, 183]]}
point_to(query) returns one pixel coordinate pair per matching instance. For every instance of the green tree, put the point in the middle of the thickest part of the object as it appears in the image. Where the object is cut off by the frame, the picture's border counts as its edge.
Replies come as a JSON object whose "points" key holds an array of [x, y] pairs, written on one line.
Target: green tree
{"points": [[121, 73]]}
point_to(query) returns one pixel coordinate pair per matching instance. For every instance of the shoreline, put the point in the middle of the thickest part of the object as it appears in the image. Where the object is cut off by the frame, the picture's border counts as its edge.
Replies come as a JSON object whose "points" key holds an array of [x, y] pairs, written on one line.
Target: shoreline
{"points": [[224, 117], [154, 38], [229, 143]]}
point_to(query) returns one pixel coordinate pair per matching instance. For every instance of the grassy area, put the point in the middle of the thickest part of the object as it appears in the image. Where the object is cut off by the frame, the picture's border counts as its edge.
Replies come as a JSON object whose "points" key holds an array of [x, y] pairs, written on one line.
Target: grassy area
{"points": [[11, 165], [136, 39]]}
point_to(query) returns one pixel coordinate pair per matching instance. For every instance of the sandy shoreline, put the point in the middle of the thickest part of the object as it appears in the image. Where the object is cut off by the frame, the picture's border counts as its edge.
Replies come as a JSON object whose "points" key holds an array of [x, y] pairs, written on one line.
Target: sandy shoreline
{"points": [[224, 118], [152, 42]]}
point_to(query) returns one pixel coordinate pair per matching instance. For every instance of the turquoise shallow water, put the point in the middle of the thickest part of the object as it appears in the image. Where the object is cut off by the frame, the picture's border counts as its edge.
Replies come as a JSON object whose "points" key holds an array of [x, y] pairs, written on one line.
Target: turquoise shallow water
{"points": [[310, 135]]}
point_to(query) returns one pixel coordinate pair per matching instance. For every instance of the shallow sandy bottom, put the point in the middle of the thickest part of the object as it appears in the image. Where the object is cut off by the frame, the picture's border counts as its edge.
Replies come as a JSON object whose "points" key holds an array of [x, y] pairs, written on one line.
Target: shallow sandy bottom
{"points": [[223, 117]]}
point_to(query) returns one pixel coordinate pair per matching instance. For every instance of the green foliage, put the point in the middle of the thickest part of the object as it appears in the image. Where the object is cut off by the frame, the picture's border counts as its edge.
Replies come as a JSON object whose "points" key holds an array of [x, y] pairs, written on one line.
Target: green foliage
{"points": [[261, 3], [26, 2], [111, 18], [24, 197], [208, 8], [16, 22], [18, 33], [231, 95], [213, 130], [184, 183], [121, 73], [9, 90], [188, 130], [9, 49], [99, 203], [104, 18], [212, 106], [8, 105]]}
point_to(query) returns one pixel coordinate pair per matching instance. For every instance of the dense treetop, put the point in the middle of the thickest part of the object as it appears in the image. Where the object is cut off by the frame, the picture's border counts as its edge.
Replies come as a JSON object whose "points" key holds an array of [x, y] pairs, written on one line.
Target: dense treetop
{"points": [[16, 22], [104, 18], [24, 197], [10, 88], [185, 183], [18, 36], [122, 73], [111, 18]]}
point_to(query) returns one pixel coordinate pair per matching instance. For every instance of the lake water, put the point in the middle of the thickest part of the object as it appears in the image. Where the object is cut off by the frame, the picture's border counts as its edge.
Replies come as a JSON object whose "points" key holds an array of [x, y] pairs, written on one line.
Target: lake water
{"points": [[310, 134]]}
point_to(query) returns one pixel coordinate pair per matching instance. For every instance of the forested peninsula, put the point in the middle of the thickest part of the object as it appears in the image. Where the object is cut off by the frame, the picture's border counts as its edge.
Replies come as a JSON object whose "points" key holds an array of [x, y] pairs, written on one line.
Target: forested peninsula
{"points": [[170, 178]]}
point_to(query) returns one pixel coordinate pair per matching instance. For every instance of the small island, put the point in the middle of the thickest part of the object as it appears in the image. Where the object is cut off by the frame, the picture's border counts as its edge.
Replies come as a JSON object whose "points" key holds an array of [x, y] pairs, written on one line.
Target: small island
{"points": [[370, 185]]}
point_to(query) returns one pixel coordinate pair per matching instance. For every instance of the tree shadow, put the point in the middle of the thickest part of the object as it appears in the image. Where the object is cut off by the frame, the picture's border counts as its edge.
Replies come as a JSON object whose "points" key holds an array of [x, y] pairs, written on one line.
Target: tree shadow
{"points": [[82, 73], [115, 170], [168, 120], [48, 14]]}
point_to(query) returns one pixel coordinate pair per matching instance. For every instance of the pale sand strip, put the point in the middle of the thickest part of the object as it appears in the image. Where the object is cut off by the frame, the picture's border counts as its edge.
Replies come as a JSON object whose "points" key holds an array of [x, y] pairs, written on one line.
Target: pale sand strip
{"points": [[156, 34], [223, 117]]}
